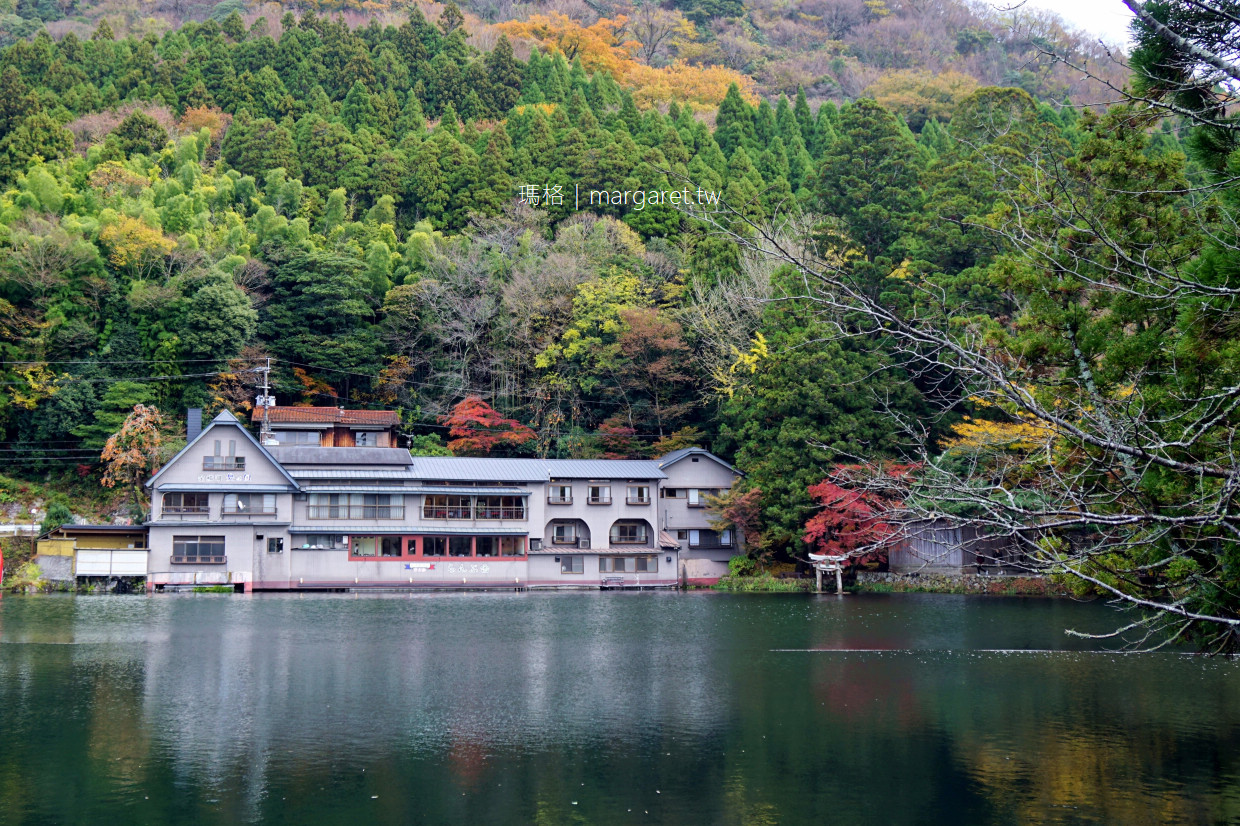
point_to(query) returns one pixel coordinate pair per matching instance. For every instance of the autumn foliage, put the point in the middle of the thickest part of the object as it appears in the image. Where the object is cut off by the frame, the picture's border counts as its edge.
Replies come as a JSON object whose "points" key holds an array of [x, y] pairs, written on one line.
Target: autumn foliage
{"points": [[601, 46], [852, 520], [477, 429], [136, 450]]}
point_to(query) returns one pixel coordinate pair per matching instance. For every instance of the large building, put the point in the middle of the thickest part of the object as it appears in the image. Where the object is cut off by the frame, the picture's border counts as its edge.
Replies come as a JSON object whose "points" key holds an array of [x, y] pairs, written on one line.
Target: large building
{"points": [[328, 502]]}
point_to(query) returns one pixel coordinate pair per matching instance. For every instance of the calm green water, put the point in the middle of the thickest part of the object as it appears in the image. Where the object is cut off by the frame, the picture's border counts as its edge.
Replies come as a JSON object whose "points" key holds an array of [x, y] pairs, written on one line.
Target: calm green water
{"points": [[599, 709]]}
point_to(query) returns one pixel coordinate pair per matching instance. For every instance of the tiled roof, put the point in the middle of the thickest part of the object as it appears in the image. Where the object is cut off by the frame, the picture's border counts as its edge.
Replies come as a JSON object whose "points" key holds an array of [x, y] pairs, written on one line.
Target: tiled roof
{"points": [[326, 415], [363, 457]]}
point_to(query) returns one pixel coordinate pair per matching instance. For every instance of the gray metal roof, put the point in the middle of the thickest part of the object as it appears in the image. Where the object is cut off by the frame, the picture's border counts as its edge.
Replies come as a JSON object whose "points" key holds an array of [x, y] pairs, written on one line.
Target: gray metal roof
{"points": [[675, 456], [368, 528], [240, 487], [222, 418], [384, 473], [460, 491], [466, 469], [316, 455]]}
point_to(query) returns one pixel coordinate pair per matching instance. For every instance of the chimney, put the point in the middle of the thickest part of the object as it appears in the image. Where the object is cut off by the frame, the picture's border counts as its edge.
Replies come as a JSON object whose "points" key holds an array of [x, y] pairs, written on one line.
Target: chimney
{"points": [[193, 423]]}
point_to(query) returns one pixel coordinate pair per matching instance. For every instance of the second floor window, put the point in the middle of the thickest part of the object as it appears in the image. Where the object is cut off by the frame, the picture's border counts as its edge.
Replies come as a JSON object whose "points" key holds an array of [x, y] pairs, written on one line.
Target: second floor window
{"points": [[500, 507], [629, 533], [354, 506], [639, 495], [560, 494], [255, 503], [183, 503], [564, 533], [598, 494], [439, 506]]}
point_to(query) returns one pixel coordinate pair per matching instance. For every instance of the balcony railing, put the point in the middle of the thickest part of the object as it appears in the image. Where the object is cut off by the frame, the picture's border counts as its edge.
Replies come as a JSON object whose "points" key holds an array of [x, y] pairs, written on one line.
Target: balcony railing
{"points": [[559, 500], [199, 560], [638, 501], [445, 512], [223, 463], [355, 512], [563, 540], [598, 500], [182, 510], [501, 512], [247, 512], [628, 540]]}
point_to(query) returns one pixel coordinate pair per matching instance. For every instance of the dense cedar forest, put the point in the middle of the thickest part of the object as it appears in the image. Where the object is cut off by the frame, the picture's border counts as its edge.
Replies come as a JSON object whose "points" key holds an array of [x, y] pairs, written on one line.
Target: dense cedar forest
{"points": [[178, 208]]}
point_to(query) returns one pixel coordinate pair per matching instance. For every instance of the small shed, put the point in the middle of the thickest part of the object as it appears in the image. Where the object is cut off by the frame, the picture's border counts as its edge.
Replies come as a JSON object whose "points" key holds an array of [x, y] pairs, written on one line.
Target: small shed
{"points": [[944, 546], [108, 551]]}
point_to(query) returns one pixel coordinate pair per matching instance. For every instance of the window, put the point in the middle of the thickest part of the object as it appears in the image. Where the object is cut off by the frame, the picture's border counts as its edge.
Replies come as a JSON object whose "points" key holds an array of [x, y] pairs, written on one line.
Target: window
{"points": [[439, 506], [512, 546], [434, 546], [389, 546], [563, 533], [682, 535], [697, 496], [297, 437], [598, 495], [219, 461], [185, 503], [250, 504], [560, 495], [365, 545], [198, 549], [628, 533], [354, 506], [639, 495], [486, 546], [572, 564], [710, 539], [319, 541], [364, 438], [275, 545], [674, 493], [500, 507], [460, 545], [628, 564]]}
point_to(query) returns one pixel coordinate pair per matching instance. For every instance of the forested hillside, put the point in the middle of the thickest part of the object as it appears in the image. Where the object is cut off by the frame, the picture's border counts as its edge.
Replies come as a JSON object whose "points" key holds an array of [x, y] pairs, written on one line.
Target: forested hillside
{"points": [[344, 200]]}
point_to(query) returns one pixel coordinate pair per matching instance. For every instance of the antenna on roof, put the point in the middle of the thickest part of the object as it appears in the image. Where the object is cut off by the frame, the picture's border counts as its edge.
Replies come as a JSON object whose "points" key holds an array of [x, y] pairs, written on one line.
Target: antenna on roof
{"points": [[266, 401]]}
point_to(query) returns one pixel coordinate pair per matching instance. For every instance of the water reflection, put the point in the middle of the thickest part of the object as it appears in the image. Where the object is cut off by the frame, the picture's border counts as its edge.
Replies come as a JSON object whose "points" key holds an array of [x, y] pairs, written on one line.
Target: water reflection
{"points": [[600, 708]]}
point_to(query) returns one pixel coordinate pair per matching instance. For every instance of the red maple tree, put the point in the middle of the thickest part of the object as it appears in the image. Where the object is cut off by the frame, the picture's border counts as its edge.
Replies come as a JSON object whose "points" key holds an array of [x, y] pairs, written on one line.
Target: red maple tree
{"points": [[852, 520], [476, 429]]}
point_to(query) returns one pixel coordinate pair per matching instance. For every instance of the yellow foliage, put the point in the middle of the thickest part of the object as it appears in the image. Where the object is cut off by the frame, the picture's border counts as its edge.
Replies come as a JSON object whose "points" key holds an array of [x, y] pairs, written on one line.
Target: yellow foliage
{"points": [[600, 49], [545, 108], [745, 362], [921, 95], [131, 241], [40, 383], [1026, 433]]}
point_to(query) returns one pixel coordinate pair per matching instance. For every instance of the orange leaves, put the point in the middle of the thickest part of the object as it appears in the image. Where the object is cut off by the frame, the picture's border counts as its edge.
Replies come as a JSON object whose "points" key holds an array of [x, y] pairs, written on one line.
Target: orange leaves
{"points": [[476, 428], [136, 449], [598, 45], [313, 388], [601, 48]]}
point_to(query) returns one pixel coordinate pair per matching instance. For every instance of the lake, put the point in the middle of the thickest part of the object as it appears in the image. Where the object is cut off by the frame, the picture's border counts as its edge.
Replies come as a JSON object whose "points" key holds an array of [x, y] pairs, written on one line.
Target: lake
{"points": [[602, 708]]}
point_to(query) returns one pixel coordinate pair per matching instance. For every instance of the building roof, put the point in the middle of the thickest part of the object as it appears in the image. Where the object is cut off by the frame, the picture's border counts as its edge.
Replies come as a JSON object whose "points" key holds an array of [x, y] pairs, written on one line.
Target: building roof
{"points": [[467, 469], [669, 459], [223, 418], [326, 415], [363, 457]]}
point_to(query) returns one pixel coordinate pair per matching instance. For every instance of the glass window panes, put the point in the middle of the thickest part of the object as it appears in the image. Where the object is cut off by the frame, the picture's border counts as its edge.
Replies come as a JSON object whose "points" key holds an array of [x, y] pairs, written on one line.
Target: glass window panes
{"points": [[434, 546], [365, 545], [460, 545], [486, 546], [572, 564]]}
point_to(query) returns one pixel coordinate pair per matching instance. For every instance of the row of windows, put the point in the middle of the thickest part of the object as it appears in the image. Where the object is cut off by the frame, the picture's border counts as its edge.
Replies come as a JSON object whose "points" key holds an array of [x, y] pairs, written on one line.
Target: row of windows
{"points": [[439, 506], [199, 549], [694, 497], [621, 533], [404, 547], [597, 494], [612, 564]]}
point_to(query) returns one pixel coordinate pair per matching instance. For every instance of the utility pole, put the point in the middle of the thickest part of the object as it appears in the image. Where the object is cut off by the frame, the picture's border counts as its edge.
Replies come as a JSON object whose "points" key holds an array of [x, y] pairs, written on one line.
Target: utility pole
{"points": [[266, 402]]}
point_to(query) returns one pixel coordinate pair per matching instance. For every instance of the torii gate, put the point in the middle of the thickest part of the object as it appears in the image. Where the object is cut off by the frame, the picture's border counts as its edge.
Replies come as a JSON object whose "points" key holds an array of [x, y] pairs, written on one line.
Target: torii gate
{"points": [[829, 562]]}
